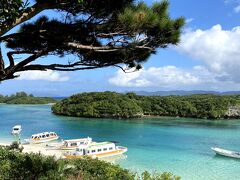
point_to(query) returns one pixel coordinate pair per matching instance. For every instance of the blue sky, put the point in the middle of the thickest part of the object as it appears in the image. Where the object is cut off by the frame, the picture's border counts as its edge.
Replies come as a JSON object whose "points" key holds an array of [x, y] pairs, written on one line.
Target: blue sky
{"points": [[208, 58]]}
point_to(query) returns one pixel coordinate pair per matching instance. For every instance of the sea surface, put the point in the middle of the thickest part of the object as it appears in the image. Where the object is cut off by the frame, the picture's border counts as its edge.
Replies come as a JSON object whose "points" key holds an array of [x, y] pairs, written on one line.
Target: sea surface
{"points": [[181, 146]]}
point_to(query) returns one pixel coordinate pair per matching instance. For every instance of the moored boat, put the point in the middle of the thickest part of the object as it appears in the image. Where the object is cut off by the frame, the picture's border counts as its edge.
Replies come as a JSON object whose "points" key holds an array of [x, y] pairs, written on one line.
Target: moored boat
{"points": [[70, 144], [43, 137], [73, 144], [97, 150], [16, 130], [227, 153]]}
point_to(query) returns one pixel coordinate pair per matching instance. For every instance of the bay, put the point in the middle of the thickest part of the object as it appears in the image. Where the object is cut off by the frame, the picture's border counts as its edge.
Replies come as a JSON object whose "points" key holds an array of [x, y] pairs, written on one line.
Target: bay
{"points": [[179, 145]]}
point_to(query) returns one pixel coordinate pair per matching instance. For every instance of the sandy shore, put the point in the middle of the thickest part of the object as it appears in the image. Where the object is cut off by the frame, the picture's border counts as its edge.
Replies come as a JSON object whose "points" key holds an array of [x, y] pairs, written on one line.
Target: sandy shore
{"points": [[38, 148]]}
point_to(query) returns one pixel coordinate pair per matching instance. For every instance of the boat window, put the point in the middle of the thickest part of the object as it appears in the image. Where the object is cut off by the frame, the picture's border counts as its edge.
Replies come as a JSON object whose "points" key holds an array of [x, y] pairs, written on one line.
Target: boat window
{"points": [[35, 137], [15, 129], [47, 135], [88, 152], [93, 151], [99, 150], [81, 143], [110, 148], [43, 136], [73, 144], [105, 149], [51, 134]]}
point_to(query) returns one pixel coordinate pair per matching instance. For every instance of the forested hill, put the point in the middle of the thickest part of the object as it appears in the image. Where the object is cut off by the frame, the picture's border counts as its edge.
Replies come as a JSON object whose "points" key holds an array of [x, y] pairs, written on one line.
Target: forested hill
{"points": [[130, 105], [105, 104], [24, 98]]}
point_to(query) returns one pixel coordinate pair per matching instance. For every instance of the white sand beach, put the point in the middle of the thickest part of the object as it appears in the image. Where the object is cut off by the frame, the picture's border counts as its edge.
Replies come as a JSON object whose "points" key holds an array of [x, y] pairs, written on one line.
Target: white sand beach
{"points": [[38, 148]]}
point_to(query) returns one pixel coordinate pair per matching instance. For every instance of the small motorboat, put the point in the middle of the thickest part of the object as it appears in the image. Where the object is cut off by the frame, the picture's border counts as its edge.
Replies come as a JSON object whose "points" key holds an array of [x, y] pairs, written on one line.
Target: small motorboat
{"points": [[16, 130], [227, 153], [42, 137]]}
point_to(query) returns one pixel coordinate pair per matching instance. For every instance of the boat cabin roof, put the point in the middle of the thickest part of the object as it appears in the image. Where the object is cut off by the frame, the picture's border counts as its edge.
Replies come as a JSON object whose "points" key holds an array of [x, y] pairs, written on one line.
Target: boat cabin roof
{"points": [[94, 144], [17, 127], [78, 140], [43, 133]]}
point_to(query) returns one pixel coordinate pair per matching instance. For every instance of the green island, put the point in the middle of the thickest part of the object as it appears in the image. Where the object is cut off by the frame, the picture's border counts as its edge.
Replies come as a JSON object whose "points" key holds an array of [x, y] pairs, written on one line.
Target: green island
{"points": [[14, 164], [24, 98], [130, 105]]}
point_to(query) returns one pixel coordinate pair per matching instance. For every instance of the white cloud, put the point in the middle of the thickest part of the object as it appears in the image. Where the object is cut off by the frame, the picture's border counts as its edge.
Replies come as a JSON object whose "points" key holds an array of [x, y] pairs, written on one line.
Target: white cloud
{"points": [[172, 78], [48, 75], [236, 3], [189, 20], [237, 9], [218, 49], [154, 77], [218, 52]]}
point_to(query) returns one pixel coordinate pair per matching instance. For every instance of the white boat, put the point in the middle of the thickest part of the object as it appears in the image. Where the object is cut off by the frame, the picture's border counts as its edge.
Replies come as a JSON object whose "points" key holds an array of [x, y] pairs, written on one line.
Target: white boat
{"points": [[70, 144], [97, 150], [224, 152], [42, 137], [16, 130]]}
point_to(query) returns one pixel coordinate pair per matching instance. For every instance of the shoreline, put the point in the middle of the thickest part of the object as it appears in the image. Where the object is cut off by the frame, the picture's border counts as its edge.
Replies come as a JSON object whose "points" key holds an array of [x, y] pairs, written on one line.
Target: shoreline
{"points": [[37, 148], [151, 116], [131, 118]]}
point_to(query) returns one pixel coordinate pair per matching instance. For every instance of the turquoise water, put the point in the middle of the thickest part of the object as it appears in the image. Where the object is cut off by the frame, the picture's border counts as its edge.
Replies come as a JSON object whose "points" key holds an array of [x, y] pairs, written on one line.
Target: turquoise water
{"points": [[181, 146]]}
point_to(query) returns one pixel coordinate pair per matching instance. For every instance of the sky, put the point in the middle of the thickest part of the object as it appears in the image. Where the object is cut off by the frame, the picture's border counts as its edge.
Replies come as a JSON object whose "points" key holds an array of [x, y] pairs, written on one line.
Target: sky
{"points": [[207, 58]]}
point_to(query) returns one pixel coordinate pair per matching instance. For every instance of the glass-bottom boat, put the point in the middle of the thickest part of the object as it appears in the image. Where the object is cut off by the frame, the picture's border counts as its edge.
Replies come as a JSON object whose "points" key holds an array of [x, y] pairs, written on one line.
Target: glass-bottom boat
{"points": [[42, 137], [97, 150]]}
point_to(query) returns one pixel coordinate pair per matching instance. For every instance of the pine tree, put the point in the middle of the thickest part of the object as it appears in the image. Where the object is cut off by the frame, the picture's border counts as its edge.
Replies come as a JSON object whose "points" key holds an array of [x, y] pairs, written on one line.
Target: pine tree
{"points": [[97, 33]]}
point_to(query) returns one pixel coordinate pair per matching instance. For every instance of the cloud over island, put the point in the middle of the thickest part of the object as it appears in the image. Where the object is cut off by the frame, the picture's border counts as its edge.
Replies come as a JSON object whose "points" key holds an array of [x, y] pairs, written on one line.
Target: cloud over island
{"points": [[48, 75], [216, 50]]}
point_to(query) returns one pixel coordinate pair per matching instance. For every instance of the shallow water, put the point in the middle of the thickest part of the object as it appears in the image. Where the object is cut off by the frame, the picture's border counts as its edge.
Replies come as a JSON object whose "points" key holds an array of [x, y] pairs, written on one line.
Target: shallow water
{"points": [[181, 146]]}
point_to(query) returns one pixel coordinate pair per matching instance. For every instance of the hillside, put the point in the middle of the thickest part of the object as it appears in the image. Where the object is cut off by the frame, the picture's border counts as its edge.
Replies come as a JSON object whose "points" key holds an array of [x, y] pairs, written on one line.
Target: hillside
{"points": [[105, 104], [24, 98], [130, 105]]}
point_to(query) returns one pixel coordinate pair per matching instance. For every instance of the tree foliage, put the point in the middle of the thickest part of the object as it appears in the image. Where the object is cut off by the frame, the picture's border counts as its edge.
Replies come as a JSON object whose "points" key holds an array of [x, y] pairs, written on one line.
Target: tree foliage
{"points": [[15, 165], [98, 33], [109, 104], [98, 105], [24, 98]]}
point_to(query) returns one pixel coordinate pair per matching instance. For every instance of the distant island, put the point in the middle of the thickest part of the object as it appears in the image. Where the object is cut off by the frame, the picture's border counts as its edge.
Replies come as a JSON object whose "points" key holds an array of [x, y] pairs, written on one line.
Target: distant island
{"points": [[183, 93], [130, 105], [24, 98]]}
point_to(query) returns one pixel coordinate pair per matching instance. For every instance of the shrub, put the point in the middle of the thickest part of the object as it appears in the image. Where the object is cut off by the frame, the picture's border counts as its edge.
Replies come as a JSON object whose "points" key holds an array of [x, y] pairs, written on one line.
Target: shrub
{"points": [[29, 166]]}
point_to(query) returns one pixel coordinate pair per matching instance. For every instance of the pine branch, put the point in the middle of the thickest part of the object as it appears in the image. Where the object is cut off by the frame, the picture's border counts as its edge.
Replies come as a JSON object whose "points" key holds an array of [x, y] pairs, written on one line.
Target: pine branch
{"points": [[25, 15], [11, 53], [104, 48], [2, 66]]}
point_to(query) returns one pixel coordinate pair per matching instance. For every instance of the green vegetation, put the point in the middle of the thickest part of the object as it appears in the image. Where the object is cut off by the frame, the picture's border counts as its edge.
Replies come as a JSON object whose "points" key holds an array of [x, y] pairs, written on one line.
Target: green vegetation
{"points": [[23, 98], [16, 165], [97, 33], [110, 104], [98, 105]]}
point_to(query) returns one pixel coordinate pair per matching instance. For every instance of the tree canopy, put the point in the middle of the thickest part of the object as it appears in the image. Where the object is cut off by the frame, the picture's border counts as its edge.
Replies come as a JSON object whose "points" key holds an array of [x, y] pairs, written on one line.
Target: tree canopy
{"points": [[24, 98], [130, 105], [97, 33]]}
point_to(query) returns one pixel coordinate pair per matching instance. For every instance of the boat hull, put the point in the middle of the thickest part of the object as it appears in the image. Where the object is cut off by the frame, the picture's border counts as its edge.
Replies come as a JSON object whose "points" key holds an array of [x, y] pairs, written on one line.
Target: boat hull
{"points": [[100, 155], [227, 153], [44, 140]]}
